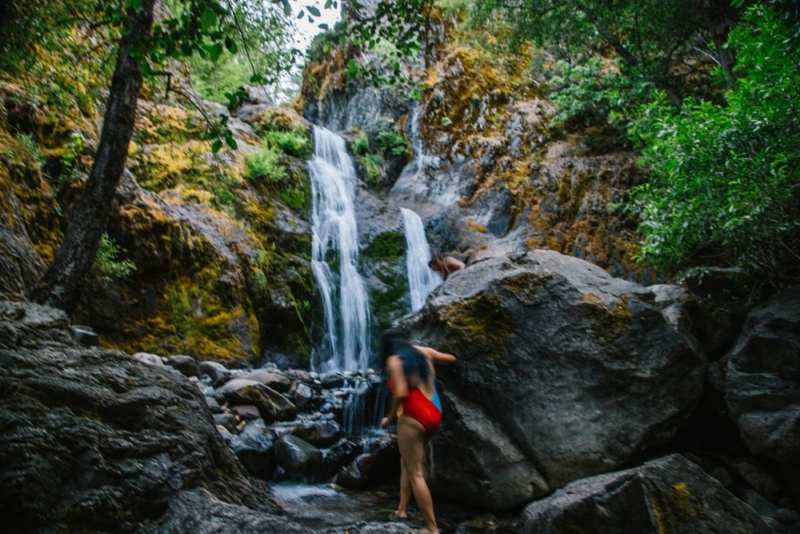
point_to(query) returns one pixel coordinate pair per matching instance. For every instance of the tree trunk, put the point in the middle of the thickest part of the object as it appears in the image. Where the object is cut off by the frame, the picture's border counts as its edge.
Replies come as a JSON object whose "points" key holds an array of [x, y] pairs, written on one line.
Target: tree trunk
{"points": [[63, 282], [717, 16]]}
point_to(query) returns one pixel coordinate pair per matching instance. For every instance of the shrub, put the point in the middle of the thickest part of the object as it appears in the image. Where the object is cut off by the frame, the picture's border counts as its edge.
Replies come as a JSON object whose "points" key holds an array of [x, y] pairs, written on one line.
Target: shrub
{"points": [[264, 165], [106, 263]]}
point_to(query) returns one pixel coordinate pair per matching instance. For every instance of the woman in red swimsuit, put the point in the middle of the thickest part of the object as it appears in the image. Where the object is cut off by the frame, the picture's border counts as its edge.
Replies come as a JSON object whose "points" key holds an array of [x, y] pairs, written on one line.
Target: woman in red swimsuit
{"points": [[415, 404]]}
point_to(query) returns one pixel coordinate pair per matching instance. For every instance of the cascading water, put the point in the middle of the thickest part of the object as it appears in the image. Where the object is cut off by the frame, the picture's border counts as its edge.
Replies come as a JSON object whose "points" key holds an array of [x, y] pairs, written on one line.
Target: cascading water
{"points": [[421, 278], [334, 257]]}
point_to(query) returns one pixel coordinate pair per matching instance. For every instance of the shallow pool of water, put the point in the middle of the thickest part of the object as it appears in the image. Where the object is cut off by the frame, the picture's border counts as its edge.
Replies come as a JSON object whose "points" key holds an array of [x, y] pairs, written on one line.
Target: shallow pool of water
{"points": [[320, 506]]}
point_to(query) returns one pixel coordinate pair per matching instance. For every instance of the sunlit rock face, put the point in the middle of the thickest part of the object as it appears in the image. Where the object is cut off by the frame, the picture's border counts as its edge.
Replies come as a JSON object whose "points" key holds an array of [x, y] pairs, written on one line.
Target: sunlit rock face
{"points": [[486, 167], [576, 371]]}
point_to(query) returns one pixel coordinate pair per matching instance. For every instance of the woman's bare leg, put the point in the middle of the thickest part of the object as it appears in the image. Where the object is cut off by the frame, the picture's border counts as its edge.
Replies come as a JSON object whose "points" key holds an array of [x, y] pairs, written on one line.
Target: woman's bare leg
{"points": [[411, 442], [405, 491]]}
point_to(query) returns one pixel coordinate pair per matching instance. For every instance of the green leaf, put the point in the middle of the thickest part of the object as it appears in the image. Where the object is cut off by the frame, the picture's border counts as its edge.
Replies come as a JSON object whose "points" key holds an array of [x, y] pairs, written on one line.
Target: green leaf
{"points": [[313, 10], [230, 141], [216, 146], [215, 51], [208, 20], [300, 15]]}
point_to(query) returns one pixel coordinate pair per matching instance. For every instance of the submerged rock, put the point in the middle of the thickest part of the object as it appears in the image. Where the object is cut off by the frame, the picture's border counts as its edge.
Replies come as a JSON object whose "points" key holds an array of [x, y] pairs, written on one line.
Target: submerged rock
{"points": [[297, 457]]}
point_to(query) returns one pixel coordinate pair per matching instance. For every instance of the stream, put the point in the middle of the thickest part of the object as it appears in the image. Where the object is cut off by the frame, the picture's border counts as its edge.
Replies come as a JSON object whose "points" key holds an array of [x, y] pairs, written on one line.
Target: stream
{"points": [[325, 506]]}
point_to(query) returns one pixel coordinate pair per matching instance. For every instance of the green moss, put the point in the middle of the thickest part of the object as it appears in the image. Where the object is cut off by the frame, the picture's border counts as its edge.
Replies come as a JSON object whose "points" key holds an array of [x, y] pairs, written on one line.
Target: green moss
{"points": [[389, 304], [526, 287], [388, 246], [618, 317], [479, 322]]}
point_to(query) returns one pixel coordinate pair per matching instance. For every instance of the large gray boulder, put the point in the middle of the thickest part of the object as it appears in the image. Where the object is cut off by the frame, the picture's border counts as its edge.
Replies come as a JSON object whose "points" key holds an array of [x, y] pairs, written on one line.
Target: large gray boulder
{"points": [[488, 469], [669, 494], [579, 372], [762, 380], [95, 441]]}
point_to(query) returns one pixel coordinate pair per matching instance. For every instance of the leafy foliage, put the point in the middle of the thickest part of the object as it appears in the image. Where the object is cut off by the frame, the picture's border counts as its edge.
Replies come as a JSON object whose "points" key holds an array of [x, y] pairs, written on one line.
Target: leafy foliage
{"points": [[264, 165], [594, 93], [263, 53], [107, 264], [725, 180], [655, 41]]}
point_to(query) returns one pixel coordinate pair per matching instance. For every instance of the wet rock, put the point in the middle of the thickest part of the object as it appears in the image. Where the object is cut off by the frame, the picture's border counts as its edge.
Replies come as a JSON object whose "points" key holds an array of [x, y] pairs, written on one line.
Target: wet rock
{"points": [[667, 494], [318, 433], [149, 359], [226, 421], [366, 527], [297, 457], [255, 449], [276, 381], [183, 363], [248, 412], [86, 336], [213, 405], [579, 370], [332, 380], [762, 381], [95, 441], [299, 375], [200, 512], [339, 454], [271, 405], [381, 464], [28, 324], [302, 396], [218, 373]]}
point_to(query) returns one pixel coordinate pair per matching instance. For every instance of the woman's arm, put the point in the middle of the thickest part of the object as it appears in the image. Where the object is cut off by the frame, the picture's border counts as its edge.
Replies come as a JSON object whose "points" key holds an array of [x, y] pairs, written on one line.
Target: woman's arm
{"points": [[436, 356], [399, 388]]}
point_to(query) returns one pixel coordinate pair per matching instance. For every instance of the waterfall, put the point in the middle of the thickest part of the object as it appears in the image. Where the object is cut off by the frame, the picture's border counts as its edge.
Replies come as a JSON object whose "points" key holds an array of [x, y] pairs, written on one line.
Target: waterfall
{"points": [[334, 257], [421, 278]]}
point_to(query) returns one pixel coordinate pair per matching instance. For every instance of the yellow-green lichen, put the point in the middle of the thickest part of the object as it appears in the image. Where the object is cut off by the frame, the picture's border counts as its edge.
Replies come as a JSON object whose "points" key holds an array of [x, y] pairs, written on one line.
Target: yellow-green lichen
{"points": [[479, 322], [676, 509]]}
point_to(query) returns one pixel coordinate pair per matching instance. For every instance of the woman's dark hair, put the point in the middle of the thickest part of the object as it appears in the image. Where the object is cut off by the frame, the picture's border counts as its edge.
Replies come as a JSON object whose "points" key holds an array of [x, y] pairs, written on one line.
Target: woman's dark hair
{"points": [[394, 341]]}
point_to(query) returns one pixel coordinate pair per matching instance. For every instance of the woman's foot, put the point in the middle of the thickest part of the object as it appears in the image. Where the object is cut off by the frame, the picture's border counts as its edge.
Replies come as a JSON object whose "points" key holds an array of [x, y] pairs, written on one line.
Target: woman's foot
{"points": [[402, 516]]}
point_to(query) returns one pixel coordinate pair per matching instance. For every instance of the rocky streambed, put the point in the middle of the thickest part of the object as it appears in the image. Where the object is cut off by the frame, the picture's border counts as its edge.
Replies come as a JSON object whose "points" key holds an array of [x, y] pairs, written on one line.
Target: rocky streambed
{"points": [[578, 401]]}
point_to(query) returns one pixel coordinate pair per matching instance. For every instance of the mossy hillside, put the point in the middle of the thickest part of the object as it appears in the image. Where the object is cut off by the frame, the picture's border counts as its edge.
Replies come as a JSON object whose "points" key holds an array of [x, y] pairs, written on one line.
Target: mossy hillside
{"points": [[159, 229], [324, 70], [21, 174], [490, 108]]}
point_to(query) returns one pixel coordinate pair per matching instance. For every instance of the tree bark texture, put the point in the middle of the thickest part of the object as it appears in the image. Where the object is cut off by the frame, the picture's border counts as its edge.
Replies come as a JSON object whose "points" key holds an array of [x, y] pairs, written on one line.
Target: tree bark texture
{"points": [[63, 283]]}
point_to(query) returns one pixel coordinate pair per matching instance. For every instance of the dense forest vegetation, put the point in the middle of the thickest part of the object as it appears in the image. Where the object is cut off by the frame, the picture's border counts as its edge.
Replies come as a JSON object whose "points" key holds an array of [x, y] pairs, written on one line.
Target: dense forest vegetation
{"points": [[707, 92]]}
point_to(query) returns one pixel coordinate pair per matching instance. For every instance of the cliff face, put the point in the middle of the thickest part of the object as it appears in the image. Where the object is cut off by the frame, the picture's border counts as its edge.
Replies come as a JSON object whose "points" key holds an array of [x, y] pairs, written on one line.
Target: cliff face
{"points": [[484, 164], [205, 254]]}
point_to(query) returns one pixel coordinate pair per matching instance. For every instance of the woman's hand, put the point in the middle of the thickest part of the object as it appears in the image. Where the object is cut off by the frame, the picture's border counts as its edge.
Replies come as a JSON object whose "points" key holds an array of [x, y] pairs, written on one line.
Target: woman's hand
{"points": [[385, 422]]}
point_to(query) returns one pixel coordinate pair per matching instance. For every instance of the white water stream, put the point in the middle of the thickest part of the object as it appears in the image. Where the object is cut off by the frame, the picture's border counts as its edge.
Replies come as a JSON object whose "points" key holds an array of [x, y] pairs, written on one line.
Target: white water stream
{"points": [[334, 257], [421, 278]]}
